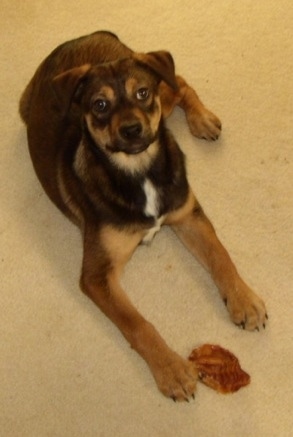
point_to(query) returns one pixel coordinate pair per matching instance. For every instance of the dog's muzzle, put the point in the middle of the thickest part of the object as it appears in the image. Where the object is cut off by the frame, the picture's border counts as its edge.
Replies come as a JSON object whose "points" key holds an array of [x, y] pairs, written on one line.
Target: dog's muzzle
{"points": [[132, 139], [131, 131]]}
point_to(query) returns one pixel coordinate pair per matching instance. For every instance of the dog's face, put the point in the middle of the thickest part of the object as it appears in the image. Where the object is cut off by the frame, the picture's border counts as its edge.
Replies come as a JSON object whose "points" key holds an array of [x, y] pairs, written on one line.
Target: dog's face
{"points": [[119, 102], [122, 107]]}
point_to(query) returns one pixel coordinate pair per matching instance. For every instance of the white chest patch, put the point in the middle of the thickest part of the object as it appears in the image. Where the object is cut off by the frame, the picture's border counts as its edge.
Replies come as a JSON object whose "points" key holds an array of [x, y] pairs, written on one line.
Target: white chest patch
{"points": [[151, 208]]}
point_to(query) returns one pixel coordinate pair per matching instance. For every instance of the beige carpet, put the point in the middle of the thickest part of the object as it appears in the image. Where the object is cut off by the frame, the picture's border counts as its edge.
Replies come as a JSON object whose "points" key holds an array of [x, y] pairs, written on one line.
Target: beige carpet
{"points": [[65, 370]]}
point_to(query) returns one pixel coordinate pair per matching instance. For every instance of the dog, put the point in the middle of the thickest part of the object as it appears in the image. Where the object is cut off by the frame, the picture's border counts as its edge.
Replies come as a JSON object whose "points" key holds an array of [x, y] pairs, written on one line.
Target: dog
{"points": [[95, 115]]}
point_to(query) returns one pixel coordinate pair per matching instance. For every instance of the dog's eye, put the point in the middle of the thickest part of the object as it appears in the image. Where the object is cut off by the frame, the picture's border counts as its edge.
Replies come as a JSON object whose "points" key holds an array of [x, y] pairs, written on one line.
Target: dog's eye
{"points": [[142, 94], [101, 105]]}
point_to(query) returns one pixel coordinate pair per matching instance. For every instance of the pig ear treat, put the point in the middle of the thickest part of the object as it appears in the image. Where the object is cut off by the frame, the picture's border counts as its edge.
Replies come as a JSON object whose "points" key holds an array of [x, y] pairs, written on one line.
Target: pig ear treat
{"points": [[218, 368]]}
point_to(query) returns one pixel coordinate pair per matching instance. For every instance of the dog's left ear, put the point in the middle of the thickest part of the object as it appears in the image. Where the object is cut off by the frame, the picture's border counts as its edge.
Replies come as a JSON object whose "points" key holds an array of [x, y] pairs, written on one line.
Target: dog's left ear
{"points": [[67, 86], [161, 63]]}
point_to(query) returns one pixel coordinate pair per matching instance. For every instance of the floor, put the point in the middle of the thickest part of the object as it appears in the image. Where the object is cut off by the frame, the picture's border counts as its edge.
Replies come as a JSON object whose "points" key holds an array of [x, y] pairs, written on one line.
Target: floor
{"points": [[65, 369]]}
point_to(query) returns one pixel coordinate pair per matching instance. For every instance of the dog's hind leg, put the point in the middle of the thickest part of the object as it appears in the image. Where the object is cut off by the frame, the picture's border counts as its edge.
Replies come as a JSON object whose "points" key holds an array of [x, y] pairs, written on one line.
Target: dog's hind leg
{"points": [[202, 122], [105, 254]]}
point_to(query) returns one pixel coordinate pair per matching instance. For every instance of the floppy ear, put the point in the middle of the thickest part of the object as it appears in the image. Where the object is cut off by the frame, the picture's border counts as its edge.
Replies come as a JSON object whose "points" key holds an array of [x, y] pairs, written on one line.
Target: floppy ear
{"points": [[161, 63], [67, 85]]}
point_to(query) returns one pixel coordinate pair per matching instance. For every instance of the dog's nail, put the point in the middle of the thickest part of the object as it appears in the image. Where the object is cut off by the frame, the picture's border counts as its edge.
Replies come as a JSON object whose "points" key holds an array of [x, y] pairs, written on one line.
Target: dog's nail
{"points": [[257, 328], [225, 301], [186, 400], [267, 317], [174, 399], [264, 326], [241, 325], [193, 397]]}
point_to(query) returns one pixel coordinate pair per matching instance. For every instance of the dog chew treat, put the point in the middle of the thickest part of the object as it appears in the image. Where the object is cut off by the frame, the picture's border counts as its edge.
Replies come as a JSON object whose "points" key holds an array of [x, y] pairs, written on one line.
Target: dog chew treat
{"points": [[218, 368]]}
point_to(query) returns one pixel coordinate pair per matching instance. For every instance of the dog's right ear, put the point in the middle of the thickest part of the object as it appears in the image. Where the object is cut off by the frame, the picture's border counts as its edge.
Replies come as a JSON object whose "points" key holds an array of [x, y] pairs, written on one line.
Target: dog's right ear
{"points": [[68, 85]]}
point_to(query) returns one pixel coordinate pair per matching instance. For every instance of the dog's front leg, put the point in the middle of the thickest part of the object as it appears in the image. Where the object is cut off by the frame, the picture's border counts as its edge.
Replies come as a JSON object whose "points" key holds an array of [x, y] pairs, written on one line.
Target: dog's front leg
{"points": [[105, 254], [201, 121], [197, 233]]}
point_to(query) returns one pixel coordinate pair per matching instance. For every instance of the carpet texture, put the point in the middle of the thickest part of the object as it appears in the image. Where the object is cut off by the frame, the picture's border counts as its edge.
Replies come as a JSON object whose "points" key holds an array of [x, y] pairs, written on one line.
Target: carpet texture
{"points": [[65, 369]]}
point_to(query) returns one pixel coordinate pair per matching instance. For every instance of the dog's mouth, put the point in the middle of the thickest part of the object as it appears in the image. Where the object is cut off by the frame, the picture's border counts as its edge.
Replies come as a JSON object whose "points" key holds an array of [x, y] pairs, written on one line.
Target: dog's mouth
{"points": [[134, 149], [132, 139], [131, 148]]}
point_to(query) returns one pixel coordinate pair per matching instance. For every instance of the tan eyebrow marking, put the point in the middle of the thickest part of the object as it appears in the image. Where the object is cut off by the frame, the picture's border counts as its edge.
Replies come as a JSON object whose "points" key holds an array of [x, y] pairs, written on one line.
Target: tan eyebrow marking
{"points": [[107, 92], [130, 86]]}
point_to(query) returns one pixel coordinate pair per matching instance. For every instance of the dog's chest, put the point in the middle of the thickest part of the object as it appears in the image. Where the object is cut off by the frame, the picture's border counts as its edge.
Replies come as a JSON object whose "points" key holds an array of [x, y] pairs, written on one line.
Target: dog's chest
{"points": [[151, 209]]}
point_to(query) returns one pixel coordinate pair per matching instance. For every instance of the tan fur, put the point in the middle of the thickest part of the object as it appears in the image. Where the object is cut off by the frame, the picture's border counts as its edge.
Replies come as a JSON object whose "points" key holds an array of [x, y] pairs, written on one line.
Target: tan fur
{"points": [[198, 235], [131, 86], [155, 120], [108, 92], [103, 136]]}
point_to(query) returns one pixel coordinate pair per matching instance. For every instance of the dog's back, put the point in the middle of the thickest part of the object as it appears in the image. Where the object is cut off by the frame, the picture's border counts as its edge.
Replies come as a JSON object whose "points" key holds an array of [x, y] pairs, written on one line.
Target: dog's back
{"points": [[96, 48]]}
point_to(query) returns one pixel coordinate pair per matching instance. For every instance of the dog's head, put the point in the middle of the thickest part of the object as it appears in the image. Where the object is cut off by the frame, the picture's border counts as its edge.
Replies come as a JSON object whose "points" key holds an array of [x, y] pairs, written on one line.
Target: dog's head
{"points": [[120, 100]]}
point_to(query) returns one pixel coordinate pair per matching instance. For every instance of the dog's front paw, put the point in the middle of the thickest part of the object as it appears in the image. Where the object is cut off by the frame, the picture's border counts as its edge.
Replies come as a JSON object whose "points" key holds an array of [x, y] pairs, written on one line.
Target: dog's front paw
{"points": [[204, 124], [176, 377], [246, 309]]}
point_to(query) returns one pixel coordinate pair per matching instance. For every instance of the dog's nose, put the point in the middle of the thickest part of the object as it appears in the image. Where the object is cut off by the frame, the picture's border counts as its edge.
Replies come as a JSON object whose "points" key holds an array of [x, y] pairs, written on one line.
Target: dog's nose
{"points": [[130, 131]]}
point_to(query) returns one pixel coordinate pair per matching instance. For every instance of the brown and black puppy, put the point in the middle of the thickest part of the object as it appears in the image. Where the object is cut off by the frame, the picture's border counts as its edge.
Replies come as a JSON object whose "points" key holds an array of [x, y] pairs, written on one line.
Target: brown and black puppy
{"points": [[95, 113]]}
